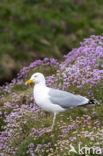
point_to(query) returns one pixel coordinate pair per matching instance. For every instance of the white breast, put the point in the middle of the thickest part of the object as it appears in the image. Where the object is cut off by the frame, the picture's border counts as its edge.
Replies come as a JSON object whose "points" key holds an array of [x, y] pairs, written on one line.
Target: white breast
{"points": [[42, 99], [40, 94]]}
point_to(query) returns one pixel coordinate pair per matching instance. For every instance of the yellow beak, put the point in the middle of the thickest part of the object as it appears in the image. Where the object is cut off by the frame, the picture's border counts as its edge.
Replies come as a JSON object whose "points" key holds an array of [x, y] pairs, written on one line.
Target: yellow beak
{"points": [[28, 82]]}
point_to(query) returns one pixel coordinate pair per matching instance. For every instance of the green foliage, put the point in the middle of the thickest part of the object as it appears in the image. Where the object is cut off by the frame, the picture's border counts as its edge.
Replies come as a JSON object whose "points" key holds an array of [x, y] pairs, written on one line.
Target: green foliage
{"points": [[24, 147], [2, 92], [18, 87], [98, 91], [2, 122], [34, 29]]}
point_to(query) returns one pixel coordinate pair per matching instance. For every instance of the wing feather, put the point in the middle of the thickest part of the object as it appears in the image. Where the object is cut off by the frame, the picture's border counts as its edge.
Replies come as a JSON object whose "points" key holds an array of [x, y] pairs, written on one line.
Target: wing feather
{"points": [[66, 99]]}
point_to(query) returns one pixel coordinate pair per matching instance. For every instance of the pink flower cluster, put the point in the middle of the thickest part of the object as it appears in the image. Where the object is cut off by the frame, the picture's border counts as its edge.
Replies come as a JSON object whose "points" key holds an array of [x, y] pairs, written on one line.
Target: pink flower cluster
{"points": [[82, 66]]}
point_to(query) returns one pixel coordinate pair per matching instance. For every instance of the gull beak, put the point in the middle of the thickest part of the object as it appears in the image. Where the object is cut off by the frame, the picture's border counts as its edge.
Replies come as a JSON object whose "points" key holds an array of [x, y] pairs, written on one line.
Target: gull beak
{"points": [[28, 82]]}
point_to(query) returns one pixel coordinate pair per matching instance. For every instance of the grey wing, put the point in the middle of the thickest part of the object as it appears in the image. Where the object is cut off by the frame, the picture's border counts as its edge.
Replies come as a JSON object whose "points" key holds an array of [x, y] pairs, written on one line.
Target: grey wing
{"points": [[66, 99]]}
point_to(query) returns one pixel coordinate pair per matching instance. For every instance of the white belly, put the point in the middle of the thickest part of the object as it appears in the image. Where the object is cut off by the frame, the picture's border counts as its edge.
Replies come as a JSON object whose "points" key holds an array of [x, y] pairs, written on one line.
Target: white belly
{"points": [[42, 100]]}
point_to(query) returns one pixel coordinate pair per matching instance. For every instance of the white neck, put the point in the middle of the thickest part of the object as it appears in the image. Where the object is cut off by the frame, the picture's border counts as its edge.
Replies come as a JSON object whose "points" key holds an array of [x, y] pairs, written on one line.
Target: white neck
{"points": [[40, 84]]}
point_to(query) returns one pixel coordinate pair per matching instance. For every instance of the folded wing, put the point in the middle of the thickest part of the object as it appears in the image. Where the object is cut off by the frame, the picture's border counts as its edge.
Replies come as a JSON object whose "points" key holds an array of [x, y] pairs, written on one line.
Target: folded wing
{"points": [[66, 99]]}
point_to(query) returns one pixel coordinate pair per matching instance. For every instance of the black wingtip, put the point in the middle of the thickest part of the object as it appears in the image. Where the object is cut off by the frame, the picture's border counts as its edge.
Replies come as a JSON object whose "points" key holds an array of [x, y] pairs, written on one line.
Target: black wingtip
{"points": [[93, 102]]}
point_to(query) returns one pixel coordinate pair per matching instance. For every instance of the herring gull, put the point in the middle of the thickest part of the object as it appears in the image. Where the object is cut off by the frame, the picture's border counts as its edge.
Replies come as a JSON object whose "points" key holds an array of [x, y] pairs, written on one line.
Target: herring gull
{"points": [[54, 100]]}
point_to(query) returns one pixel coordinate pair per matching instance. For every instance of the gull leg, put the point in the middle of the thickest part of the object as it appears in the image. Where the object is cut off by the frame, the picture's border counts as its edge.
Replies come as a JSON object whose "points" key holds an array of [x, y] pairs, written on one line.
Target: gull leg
{"points": [[54, 118]]}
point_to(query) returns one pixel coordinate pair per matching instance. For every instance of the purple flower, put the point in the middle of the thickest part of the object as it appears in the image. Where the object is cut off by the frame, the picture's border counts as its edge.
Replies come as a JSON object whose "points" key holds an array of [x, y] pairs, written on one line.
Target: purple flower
{"points": [[31, 145], [85, 109]]}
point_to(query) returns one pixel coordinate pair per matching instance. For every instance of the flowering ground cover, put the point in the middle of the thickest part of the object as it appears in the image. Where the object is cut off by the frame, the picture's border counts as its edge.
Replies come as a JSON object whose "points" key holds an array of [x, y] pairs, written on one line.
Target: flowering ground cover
{"points": [[23, 126]]}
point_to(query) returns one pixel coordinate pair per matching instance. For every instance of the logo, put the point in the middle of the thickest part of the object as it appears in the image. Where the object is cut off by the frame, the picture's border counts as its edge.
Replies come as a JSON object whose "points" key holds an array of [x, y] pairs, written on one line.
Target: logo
{"points": [[85, 150], [72, 149]]}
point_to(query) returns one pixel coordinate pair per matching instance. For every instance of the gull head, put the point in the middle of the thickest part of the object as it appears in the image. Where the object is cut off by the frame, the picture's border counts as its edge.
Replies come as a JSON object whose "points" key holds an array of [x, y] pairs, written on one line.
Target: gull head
{"points": [[36, 78]]}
